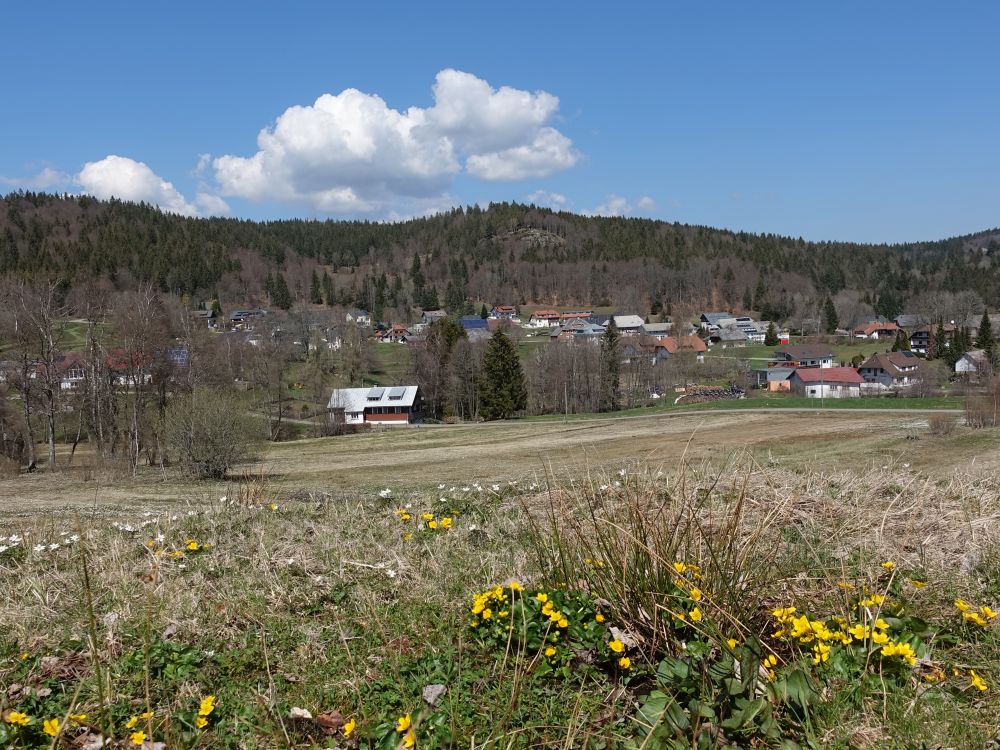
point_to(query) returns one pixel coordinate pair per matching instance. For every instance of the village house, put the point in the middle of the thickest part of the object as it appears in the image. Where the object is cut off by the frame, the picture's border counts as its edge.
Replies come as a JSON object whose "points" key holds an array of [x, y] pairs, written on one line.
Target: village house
{"points": [[922, 337], [628, 325], [577, 328], [805, 355], [205, 318], [892, 370], [728, 338], [397, 333], [390, 407], [129, 369], [503, 312], [774, 379], [973, 362], [429, 316], [825, 382], [359, 317], [544, 319], [712, 320], [70, 368], [657, 329], [877, 330]]}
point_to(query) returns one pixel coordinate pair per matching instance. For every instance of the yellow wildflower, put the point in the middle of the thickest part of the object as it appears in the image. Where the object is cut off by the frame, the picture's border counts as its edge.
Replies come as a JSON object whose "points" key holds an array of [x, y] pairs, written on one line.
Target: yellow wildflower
{"points": [[616, 646], [78, 717], [137, 738], [625, 662], [821, 653], [550, 651], [131, 723], [695, 614], [563, 623], [515, 586], [877, 599], [487, 613], [25, 655], [432, 524], [880, 637], [680, 567], [783, 614], [446, 523], [975, 618], [408, 537], [541, 596], [988, 613], [201, 722], [349, 728], [51, 727], [962, 606], [599, 617], [732, 643], [888, 565], [881, 624], [273, 506], [428, 516], [146, 715], [192, 545], [770, 661], [17, 718], [844, 585], [410, 738], [917, 584], [207, 705], [403, 723], [859, 632], [977, 682], [696, 594]]}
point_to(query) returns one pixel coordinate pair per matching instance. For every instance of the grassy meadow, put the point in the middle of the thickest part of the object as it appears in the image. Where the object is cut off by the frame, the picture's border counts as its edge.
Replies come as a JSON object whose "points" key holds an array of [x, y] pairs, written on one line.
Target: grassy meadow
{"points": [[699, 580]]}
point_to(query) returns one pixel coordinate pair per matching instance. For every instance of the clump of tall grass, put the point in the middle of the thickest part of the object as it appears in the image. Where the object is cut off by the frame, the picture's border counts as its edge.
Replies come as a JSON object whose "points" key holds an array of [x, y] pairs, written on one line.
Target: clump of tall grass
{"points": [[642, 541]]}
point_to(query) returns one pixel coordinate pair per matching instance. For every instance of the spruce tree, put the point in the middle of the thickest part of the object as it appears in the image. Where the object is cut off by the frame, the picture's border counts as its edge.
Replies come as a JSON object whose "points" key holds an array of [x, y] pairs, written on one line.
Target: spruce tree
{"points": [[830, 321], [902, 342], [280, 296], [483, 312], [315, 291], [771, 336], [502, 391], [610, 368], [984, 337], [939, 344]]}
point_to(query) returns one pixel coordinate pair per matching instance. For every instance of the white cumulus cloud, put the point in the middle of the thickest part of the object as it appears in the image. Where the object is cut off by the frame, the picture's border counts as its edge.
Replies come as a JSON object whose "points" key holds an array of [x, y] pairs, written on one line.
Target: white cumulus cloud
{"points": [[45, 179], [130, 180], [616, 205], [352, 153], [556, 201]]}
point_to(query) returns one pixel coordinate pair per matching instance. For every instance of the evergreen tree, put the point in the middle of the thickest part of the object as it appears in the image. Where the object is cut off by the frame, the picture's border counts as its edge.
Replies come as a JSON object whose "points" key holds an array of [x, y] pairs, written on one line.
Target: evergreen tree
{"points": [[984, 337], [216, 305], [280, 296], [830, 321], [315, 290], [902, 342], [939, 342], [502, 391], [759, 294], [747, 300], [329, 294], [771, 336], [483, 312], [610, 368]]}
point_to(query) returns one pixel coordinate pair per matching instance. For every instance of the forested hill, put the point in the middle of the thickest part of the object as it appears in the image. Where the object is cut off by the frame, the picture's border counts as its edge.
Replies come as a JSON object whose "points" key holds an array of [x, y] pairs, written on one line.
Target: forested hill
{"points": [[505, 253]]}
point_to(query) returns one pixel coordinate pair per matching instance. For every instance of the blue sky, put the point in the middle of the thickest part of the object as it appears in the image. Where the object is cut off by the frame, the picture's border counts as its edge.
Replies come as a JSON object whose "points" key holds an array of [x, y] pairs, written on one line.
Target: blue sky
{"points": [[857, 121]]}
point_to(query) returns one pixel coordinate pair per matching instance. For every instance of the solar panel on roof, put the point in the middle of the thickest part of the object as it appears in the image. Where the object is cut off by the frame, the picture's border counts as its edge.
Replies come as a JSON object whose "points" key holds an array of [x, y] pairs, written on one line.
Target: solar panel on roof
{"points": [[375, 394], [397, 393]]}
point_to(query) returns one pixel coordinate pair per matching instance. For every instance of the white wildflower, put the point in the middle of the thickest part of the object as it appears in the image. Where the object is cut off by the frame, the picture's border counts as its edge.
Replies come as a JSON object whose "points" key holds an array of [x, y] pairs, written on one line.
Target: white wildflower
{"points": [[38, 548]]}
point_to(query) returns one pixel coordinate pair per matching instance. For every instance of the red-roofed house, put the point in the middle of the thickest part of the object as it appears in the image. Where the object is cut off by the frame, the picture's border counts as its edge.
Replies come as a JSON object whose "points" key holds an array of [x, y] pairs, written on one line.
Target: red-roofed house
{"points": [[544, 319], [887, 330], [826, 382]]}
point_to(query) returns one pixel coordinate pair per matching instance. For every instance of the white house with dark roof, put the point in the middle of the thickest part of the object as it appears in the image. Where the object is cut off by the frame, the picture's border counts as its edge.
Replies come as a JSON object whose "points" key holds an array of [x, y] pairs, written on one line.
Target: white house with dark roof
{"points": [[388, 406]]}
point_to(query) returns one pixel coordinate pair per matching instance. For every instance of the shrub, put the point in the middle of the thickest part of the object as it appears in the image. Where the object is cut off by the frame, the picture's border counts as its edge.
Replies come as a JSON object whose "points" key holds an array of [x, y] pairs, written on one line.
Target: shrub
{"points": [[210, 432], [941, 424]]}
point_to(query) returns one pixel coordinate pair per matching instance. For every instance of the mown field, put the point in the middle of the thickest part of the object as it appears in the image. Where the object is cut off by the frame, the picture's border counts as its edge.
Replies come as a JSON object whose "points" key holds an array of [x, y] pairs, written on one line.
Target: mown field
{"points": [[614, 583]]}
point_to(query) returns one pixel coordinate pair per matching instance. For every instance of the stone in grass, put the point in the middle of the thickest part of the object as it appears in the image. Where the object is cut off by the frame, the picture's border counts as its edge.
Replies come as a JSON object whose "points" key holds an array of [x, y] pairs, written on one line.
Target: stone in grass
{"points": [[433, 693], [299, 713]]}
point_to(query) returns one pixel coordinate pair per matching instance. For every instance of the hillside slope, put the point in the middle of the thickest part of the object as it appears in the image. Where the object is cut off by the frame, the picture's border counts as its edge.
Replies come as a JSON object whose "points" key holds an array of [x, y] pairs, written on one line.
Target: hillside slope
{"points": [[507, 252]]}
